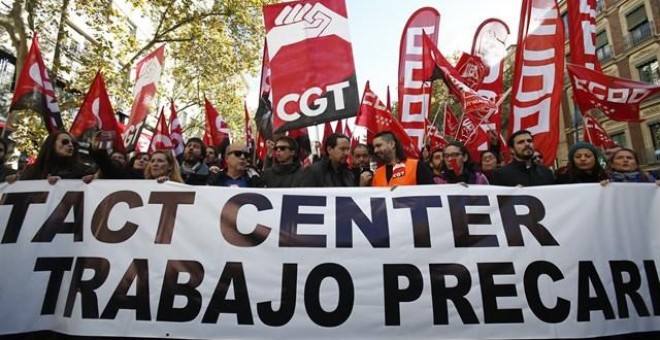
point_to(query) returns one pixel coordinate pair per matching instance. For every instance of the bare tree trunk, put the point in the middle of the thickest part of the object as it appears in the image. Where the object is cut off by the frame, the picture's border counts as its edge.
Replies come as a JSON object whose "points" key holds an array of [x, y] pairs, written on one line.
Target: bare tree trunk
{"points": [[13, 23], [61, 35]]}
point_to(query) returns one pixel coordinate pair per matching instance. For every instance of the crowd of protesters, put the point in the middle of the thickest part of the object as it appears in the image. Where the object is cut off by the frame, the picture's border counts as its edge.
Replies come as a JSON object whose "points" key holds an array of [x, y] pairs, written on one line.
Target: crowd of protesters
{"points": [[381, 164]]}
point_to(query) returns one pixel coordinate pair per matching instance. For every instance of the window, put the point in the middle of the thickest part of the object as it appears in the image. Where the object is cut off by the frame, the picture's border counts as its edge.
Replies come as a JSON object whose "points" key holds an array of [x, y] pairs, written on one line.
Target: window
{"points": [[600, 5], [564, 19], [649, 72], [639, 27], [603, 48], [655, 138], [620, 138]]}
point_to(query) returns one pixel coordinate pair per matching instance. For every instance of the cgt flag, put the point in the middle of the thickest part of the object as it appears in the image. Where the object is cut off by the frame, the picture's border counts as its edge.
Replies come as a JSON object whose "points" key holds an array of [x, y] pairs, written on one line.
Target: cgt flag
{"points": [[148, 73], [35, 92], [311, 63], [617, 98], [96, 113], [216, 131]]}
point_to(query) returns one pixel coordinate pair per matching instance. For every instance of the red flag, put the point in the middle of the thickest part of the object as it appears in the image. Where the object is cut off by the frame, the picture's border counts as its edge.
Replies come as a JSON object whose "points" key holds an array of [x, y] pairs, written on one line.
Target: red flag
{"points": [[216, 128], [311, 61], [96, 112], [474, 135], [490, 45], [348, 131], [339, 128], [249, 140], [450, 123], [595, 134], [148, 73], [374, 117], [262, 149], [469, 99], [176, 131], [538, 76], [582, 31], [471, 69], [301, 136], [435, 139], [617, 98], [34, 90], [414, 89], [327, 131], [161, 138]]}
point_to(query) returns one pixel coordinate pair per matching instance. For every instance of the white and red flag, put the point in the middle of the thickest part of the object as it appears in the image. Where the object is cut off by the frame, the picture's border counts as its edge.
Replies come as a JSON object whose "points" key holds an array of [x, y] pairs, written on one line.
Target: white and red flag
{"points": [[414, 90], [595, 133], [489, 44], [450, 122], [35, 92], [433, 137], [311, 63], [474, 134], [617, 98], [216, 132], [148, 73], [538, 76], [96, 113], [471, 69], [161, 138], [176, 131], [582, 32], [375, 118], [435, 64]]}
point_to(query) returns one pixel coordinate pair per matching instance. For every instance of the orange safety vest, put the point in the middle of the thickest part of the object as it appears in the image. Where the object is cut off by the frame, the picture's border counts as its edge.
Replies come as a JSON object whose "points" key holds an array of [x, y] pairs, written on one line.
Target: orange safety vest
{"points": [[402, 174]]}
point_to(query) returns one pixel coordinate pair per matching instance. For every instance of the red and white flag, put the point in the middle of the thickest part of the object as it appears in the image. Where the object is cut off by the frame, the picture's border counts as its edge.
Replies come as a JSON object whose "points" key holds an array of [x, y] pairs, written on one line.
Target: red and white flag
{"points": [[161, 138], [96, 113], [582, 32], [148, 73], [450, 122], [176, 132], [414, 90], [473, 134], [35, 92], [595, 134], [311, 63], [435, 62], [538, 76], [617, 98], [375, 118], [433, 137], [489, 44], [216, 130], [471, 69]]}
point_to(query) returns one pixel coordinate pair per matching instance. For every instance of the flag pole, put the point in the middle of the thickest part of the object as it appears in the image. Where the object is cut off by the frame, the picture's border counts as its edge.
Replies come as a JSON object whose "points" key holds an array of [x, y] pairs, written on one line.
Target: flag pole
{"points": [[435, 117]]}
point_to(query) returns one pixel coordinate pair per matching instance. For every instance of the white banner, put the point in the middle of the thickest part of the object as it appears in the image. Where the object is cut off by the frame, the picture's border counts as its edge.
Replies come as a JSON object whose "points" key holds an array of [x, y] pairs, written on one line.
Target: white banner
{"points": [[140, 259]]}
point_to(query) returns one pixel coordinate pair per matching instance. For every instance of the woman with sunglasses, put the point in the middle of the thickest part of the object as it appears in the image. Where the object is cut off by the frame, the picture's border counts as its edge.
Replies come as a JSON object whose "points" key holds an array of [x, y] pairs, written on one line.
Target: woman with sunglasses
{"points": [[458, 168], [163, 167], [58, 159]]}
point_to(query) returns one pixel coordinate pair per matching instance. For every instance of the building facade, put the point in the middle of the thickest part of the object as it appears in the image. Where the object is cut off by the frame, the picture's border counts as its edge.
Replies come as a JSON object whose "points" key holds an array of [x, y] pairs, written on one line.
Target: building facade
{"points": [[628, 46]]}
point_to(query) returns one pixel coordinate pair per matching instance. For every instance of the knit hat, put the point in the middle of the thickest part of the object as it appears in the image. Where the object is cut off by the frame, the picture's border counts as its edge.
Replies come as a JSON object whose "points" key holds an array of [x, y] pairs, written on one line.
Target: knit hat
{"points": [[581, 145]]}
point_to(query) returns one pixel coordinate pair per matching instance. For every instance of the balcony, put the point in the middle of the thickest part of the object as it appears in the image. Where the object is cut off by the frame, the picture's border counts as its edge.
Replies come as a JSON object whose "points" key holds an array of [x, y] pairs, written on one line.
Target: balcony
{"points": [[604, 53], [640, 34]]}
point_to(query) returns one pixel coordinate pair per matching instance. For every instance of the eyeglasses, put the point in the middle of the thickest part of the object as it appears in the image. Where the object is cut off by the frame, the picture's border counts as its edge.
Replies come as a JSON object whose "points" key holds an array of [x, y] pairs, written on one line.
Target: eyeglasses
{"points": [[239, 153], [282, 148], [453, 155], [65, 141]]}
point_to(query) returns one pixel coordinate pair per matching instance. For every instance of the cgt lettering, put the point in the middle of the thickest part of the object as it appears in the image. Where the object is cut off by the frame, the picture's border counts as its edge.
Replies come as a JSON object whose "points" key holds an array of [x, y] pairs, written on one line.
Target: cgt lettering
{"points": [[313, 95]]}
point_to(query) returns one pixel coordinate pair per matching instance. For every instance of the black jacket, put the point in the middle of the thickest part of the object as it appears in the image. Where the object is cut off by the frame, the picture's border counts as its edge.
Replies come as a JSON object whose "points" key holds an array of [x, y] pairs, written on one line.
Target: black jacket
{"points": [[198, 176], [251, 176], [518, 173], [5, 171], [321, 174], [282, 175]]}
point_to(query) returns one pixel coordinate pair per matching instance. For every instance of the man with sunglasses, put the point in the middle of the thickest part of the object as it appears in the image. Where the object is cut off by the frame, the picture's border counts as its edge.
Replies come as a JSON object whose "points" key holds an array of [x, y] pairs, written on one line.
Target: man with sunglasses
{"points": [[238, 173], [286, 168]]}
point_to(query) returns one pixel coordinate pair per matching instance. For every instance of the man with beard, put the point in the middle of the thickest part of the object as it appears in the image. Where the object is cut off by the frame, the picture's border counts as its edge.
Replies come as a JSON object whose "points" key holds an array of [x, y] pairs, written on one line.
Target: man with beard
{"points": [[522, 170], [284, 171], [396, 168], [332, 170], [360, 162], [211, 157], [193, 169], [436, 162], [237, 174]]}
